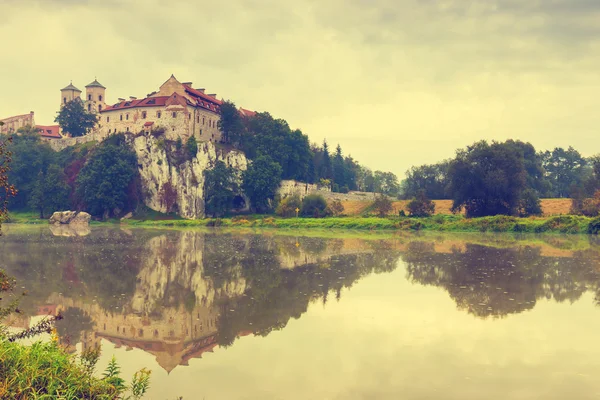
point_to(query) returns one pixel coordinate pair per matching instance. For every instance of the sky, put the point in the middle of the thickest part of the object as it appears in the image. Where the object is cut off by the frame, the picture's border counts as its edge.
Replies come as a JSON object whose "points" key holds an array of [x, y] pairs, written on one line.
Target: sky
{"points": [[396, 83]]}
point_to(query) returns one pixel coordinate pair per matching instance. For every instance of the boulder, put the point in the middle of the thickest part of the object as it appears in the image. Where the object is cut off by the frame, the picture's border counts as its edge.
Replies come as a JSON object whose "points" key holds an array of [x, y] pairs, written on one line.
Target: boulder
{"points": [[127, 216], [70, 218]]}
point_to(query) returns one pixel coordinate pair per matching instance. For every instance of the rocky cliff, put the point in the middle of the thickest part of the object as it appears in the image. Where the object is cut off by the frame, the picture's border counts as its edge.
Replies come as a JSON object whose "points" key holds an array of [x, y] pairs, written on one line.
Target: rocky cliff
{"points": [[173, 183]]}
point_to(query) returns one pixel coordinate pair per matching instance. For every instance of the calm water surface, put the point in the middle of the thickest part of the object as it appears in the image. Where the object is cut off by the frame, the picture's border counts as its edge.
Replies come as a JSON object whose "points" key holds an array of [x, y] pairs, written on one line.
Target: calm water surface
{"points": [[233, 315]]}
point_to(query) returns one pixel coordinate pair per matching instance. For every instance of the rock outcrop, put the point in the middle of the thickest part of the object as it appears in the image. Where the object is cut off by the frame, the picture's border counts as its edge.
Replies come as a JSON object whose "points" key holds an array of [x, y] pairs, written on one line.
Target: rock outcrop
{"points": [[170, 185], [70, 218]]}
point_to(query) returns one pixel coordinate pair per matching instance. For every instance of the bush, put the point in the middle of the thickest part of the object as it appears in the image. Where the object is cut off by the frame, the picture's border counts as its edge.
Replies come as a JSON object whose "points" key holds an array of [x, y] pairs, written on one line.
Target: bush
{"points": [[192, 146], [588, 207], [336, 207], [382, 205], [594, 226], [421, 206], [287, 207], [530, 204], [314, 206]]}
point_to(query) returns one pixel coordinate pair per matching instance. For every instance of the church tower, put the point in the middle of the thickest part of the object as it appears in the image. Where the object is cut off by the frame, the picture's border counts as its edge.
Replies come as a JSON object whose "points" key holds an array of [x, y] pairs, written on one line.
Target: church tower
{"points": [[68, 94], [95, 97]]}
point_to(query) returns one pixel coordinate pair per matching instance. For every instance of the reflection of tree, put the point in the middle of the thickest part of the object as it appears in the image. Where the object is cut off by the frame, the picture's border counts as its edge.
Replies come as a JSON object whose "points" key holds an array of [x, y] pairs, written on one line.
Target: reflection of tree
{"points": [[488, 281], [74, 322]]}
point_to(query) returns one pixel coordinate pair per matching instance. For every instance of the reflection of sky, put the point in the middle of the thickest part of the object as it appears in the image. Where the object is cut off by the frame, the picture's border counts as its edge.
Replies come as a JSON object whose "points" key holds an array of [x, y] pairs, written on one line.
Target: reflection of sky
{"points": [[388, 339]]}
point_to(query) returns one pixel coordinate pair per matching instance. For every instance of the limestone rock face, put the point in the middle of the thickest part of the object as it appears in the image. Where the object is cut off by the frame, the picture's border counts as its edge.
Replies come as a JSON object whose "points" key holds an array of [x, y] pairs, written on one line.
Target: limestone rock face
{"points": [[185, 181], [70, 218]]}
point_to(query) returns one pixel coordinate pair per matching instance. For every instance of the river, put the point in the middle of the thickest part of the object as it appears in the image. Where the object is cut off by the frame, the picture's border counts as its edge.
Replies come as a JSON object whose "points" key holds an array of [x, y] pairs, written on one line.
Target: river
{"points": [[219, 314]]}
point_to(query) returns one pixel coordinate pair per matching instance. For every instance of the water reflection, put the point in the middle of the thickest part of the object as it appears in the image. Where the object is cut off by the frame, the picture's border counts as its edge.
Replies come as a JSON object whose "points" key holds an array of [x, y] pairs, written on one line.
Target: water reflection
{"points": [[178, 294]]}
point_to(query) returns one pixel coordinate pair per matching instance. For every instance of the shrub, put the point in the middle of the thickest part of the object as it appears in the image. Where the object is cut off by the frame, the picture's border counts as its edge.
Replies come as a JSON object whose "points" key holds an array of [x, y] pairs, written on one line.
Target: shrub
{"points": [[314, 206], [402, 213], [584, 206], [421, 206], [529, 204], [287, 207], [594, 226], [192, 146], [382, 205], [336, 207]]}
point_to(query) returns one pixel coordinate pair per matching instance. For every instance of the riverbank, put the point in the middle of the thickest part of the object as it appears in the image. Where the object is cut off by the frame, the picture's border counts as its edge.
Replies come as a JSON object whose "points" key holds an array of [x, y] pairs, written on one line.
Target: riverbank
{"points": [[570, 224], [442, 223]]}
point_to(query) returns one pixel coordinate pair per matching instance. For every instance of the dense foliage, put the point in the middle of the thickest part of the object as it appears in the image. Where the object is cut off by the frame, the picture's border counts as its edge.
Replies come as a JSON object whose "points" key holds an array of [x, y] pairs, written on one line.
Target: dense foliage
{"points": [[74, 119], [220, 187], [421, 206], [287, 207], [260, 182], [314, 206], [105, 181]]}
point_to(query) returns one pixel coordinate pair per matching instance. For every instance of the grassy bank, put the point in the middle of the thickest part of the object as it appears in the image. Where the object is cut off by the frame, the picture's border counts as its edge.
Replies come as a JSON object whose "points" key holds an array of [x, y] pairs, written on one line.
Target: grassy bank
{"points": [[442, 223]]}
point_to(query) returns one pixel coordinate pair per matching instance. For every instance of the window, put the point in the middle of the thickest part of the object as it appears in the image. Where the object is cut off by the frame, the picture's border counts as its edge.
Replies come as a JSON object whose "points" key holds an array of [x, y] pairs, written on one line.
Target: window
{"points": [[158, 114], [64, 100], [107, 119], [143, 114], [99, 108], [200, 132], [121, 117], [89, 107], [89, 97], [127, 129], [155, 333], [174, 114], [100, 98], [198, 119], [127, 117], [202, 120], [189, 116], [141, 333]]}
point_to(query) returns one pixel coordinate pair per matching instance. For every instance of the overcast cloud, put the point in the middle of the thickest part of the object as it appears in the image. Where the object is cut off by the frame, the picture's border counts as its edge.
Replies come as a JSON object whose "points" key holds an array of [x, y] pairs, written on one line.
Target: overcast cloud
{"points": [[395, 82]]}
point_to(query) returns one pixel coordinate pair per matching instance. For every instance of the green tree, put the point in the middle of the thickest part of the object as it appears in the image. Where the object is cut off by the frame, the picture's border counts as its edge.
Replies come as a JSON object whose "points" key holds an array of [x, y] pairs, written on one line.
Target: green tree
{"points": [[50, 191], [421, 206], [487, 179], [314, 206], [220, 186], [191, 146], [287, 207], [6, 189], [564, 169], [386, 183], [231, 123], [260, 182], [382, 205], [432, 179], [74, 119], [104, 180], [339, 169]]}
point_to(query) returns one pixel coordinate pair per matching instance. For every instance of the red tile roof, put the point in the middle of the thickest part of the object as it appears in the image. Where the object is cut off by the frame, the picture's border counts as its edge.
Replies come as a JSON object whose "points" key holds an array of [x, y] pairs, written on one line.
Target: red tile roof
{"points": [[247, 113], [149, 123], [50, 131], [205, 97], [147, 102]]}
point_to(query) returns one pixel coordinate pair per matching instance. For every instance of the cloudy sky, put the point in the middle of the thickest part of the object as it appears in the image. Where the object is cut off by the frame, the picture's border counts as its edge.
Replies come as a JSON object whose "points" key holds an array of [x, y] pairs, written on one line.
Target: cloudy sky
{"points": [[395, 82]]}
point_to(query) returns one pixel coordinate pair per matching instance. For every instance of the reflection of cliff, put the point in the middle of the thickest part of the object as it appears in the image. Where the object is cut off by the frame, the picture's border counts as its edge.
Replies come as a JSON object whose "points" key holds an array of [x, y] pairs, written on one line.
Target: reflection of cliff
{"points": [[177, 294]]}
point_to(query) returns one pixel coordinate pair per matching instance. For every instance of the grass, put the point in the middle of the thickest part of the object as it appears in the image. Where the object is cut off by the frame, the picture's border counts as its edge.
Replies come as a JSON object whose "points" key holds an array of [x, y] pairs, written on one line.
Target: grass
{"points": [[44, 370], [442, 223]]}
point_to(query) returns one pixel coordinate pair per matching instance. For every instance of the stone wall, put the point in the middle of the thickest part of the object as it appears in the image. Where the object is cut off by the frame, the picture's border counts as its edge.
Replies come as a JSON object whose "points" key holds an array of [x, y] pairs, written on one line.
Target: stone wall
{"points": [[301, 189], [60, 144], [11, 124]]}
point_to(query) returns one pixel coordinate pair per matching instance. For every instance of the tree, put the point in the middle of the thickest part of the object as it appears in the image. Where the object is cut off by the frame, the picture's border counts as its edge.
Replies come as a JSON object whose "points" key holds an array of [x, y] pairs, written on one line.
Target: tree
{"points": [[487, 179], [421, 206], [314, 206], [288, 206], [336, 207], [260, 182], [382, 205], [50, 191], [564, 169], [74, 119], [326, 168], [105, 178], [220, 186], [6, 189], [191, 146], [339, 169], [386, 183], [432, 179], [530, 203], [231, 123]]}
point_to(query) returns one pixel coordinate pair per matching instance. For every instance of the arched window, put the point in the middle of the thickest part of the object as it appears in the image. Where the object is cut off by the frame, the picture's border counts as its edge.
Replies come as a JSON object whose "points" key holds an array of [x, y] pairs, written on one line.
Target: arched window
{"points": [[64, 100], [174, 114], [99, 107], [121, 116], [143, 114], [89, 107], [100, 98], [127, 117]]}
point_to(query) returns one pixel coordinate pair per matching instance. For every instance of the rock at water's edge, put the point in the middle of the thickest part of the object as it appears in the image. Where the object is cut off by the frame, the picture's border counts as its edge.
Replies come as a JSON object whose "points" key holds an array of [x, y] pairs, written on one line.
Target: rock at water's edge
{"points": [[70, 218]]}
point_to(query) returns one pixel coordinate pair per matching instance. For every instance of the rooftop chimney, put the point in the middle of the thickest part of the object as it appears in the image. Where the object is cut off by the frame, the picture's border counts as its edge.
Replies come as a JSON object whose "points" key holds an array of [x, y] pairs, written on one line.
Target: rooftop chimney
{"points": [[132, 98], [121, 99], [201, 90], [214, 95], [187, 84]]}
